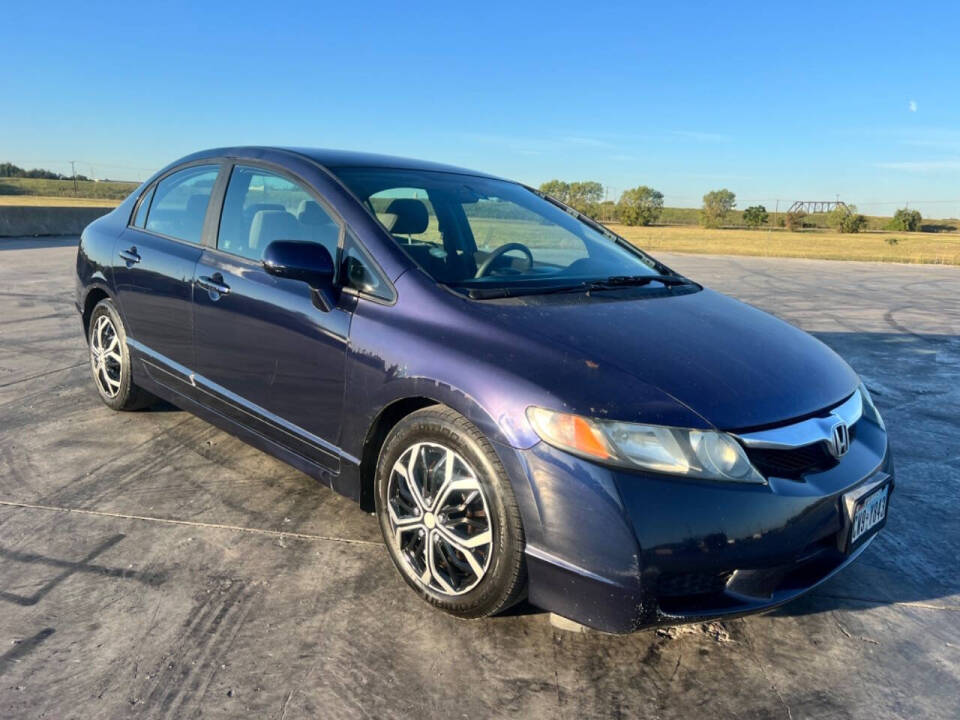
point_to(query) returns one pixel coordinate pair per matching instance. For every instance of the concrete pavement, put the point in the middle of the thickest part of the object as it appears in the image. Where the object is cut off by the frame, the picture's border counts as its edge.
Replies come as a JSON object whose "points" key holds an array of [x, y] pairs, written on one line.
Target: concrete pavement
{"points": [[153, 566]]}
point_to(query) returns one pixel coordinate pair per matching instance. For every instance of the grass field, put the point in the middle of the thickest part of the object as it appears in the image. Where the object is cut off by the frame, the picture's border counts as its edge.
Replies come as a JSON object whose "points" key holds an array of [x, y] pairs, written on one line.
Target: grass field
{"points": [[691, 216], [937, 248], [932, 248], [685, 236], [86, 189], [55, 201]]}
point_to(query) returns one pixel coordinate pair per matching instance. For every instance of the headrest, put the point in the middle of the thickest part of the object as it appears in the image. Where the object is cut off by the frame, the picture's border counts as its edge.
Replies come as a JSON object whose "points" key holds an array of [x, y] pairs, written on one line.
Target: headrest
{"points": [[405, 216], [252, 210], [311, 212], [270, 225]]}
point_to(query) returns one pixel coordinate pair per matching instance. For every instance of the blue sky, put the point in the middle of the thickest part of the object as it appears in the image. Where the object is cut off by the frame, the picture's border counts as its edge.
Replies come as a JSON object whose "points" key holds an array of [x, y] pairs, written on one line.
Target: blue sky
{"points": [[774, 101]]}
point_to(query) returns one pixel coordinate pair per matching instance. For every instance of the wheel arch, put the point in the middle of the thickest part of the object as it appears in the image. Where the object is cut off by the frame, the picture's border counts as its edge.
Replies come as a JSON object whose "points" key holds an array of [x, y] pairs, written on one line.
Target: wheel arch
{"points": [[381, 426], [95, 294]]}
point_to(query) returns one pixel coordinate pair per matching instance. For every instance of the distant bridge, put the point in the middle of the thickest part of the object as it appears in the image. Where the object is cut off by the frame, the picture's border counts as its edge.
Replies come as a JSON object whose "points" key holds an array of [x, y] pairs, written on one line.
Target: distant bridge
{"points": [[817, 206]]}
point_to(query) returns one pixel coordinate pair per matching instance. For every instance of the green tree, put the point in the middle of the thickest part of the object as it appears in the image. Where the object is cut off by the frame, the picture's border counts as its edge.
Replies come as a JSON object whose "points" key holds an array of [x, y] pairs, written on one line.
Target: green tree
{"points": [[584, 196], [585, 193], [716, 205], [846, 219], [906, 219], [10, 170], [640, 206], [557, 189], [755, 216]]}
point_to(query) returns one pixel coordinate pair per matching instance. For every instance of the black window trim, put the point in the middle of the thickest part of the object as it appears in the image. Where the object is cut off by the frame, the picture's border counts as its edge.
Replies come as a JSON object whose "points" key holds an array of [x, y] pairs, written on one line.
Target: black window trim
{"points": [[211, 203], [145, 197], [375, 268]]}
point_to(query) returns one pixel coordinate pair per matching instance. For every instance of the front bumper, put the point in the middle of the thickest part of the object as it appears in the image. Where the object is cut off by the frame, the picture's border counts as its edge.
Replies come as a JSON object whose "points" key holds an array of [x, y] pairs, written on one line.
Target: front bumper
{"points": [[619, 550]]}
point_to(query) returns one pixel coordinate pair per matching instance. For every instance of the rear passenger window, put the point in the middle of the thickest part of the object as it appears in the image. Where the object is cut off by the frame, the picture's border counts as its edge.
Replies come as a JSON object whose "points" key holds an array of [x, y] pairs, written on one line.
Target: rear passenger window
{"points": [[180, 202], [260, 207]]}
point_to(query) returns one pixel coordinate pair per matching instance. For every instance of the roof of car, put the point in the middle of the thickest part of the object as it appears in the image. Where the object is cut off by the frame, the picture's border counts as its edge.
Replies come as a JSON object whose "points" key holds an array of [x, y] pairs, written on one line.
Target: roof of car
{"points": [[347, 158]]}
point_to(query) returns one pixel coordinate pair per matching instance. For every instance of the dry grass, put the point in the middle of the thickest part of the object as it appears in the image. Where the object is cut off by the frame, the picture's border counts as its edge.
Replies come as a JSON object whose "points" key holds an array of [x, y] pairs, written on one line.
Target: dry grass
{"points": [[936, 248], [107, 189], [46, 201]]}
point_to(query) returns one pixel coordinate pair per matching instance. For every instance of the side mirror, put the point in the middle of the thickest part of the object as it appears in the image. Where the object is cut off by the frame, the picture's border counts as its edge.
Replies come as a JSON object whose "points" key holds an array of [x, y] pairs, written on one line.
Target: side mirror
{"points": [[304, 261]]}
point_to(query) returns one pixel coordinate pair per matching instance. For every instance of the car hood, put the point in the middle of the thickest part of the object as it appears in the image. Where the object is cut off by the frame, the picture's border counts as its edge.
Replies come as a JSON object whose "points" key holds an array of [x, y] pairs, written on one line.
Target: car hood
{"points": [[735, 366]]}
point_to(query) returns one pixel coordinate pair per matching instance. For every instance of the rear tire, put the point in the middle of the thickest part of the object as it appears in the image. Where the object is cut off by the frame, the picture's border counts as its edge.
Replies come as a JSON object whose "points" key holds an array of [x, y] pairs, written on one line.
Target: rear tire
{"points": [[448, 514], [110, 360]]}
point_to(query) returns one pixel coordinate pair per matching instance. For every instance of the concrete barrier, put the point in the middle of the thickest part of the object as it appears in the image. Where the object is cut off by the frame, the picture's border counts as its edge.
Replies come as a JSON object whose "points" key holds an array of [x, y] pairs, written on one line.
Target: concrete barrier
{"points": [[21, 220]]}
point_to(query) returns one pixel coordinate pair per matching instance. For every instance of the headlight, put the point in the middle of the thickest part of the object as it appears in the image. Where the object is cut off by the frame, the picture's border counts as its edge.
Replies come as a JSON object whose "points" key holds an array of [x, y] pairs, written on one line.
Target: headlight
{"points": [[703, 454], [869, 409]]}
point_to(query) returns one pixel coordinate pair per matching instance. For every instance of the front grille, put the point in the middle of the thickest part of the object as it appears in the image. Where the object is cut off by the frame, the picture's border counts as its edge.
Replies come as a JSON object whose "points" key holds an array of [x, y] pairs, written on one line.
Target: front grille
{"points": [[683, 584], [793, 463], [796, 462]]}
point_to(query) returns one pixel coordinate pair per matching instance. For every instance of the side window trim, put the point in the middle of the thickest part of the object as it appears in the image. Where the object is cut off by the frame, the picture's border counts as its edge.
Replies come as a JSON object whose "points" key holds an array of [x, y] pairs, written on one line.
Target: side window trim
{"points": [[211, 223]]}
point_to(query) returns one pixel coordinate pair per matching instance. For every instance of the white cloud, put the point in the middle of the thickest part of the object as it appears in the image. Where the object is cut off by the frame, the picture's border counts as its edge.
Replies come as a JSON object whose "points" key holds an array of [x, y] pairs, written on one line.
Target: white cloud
{"points": [[912, 105]]}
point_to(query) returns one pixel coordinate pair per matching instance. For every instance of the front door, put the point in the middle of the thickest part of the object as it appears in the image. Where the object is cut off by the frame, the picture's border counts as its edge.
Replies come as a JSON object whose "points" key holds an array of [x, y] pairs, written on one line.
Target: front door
{"points": [[154, 268], [265, 354]]}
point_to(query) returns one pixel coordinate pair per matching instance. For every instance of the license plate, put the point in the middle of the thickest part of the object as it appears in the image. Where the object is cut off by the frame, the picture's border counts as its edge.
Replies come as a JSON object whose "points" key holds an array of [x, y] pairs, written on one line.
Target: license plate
{"points": [[869, 512]]}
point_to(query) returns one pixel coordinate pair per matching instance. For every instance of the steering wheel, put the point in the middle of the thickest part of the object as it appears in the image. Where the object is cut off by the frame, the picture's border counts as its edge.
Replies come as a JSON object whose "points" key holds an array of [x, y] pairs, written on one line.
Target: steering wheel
{"points": [[487, 264]]}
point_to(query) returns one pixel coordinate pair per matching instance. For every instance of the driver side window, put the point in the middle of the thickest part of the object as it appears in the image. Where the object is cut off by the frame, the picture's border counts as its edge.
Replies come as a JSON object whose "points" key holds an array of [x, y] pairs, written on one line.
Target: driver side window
{"points": [[260, 207]]}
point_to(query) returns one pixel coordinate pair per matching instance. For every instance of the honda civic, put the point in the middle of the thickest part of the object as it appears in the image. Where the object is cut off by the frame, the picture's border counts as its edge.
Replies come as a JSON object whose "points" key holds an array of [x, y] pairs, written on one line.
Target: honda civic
{"points": [[532, 406]]}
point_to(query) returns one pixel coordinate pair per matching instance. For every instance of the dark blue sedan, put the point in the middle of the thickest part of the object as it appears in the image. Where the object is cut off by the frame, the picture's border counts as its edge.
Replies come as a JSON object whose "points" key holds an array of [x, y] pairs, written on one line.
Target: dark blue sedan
{"points": [[532, 406]]}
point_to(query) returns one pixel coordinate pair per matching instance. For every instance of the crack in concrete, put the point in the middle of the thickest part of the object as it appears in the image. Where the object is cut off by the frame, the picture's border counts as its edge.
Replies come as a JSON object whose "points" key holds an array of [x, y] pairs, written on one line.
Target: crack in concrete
{"points": [[191, 523], [40, 375], [904, 603], [763, 671]]}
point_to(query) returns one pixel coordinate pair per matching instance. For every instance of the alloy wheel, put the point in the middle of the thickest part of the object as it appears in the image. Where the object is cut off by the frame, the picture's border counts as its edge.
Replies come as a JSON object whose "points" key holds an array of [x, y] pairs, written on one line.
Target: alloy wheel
{"points": [[439, 518], [106, 359]]}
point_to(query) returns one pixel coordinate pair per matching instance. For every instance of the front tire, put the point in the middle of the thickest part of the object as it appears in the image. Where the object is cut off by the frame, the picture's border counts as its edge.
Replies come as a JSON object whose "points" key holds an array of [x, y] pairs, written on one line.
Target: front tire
{"points": [[448, 514], [110, 360]]}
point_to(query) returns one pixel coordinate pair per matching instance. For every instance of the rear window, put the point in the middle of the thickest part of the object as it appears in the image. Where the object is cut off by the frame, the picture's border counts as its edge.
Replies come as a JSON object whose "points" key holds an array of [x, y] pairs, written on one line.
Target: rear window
{"points": [[180, 202]]}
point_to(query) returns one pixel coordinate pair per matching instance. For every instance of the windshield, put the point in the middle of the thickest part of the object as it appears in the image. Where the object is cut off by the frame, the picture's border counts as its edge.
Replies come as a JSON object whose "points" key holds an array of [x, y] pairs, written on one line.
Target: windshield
{"points": [[475, 232]]}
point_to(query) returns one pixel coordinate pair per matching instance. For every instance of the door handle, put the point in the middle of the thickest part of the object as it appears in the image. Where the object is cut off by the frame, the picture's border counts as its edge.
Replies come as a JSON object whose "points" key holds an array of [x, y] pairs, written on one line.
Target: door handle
{"points": [[214, 285], [131, 255]]}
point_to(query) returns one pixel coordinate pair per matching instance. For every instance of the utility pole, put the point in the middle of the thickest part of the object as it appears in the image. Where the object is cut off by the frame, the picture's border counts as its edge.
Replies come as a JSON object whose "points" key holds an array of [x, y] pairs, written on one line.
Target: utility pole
{"points": [[73, 171]]}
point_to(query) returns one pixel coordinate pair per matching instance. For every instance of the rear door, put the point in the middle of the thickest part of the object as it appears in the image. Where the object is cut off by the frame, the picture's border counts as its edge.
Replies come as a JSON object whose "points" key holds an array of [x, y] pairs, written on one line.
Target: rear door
{"points": [[154, 269], [266, 355]]}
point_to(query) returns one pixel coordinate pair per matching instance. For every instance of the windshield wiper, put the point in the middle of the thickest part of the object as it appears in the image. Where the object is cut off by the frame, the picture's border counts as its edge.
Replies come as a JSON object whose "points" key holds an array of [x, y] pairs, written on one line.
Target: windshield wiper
{"points": [[490, 293], [618, 281], [614, 282]]}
